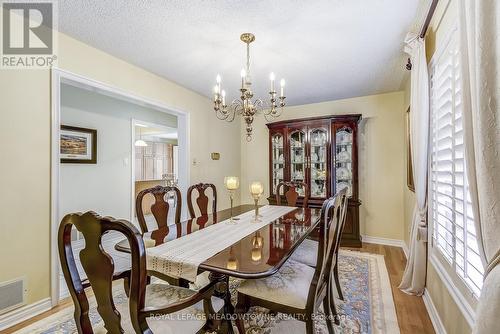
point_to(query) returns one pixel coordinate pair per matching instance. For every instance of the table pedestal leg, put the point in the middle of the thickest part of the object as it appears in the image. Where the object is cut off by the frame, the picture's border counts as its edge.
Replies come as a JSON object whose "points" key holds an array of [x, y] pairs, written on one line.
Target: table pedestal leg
{"points": [[222, 291]]}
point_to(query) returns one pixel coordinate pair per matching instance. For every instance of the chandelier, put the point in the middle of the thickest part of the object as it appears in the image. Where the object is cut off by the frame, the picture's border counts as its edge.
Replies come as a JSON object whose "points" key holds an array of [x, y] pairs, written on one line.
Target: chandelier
{"points": [[246, 106]]}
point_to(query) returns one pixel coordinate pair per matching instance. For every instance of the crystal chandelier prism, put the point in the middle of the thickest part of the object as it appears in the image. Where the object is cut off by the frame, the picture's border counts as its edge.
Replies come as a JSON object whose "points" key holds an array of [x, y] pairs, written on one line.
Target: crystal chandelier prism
{"points": [[246, 106]]}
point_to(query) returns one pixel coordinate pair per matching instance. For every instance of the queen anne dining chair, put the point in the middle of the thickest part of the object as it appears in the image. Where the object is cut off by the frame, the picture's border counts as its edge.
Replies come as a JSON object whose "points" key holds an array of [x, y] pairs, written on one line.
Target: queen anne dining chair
{"points": [[298, 289], [202, 199], [160, 207], [150, 308], [291, 194], [307, 251]]}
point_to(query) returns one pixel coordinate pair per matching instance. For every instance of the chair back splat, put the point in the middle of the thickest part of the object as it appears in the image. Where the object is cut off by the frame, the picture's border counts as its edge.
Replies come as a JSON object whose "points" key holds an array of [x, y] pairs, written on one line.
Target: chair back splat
{"points": [[160, 207], [291, 194], [202, 199]]}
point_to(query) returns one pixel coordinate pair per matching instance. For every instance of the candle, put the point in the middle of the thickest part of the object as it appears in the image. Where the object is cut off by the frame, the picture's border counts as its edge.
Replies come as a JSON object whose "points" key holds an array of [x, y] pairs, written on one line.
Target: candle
{"points": [[272, 77], [223, 97], [215, 93], [231, 182], [256, 188], [218, 80], [243, 74], [282, 83]]}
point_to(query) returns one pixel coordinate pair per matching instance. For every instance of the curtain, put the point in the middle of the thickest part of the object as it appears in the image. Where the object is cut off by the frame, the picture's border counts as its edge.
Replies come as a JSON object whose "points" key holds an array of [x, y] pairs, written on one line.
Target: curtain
{"points": [[413, 281], [480, 64]]}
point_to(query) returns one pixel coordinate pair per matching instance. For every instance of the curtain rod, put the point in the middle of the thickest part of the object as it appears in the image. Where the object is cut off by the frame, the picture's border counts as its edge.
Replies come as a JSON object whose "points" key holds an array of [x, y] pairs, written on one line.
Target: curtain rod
{"points": [[425, 26]]}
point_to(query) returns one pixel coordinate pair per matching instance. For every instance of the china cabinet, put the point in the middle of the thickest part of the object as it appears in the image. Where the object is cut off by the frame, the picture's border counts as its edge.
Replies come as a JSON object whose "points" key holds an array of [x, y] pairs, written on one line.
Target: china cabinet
{"points": [[323, 153]]}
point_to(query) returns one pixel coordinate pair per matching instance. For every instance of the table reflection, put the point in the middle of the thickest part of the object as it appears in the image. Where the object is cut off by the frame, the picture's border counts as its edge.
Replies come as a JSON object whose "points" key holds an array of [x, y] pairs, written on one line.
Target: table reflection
{"points": [[255, 255]]}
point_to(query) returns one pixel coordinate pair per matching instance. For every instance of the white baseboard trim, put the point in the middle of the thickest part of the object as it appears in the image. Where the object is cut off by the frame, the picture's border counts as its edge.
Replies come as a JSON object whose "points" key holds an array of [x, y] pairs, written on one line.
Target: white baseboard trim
{"points": [[433, 313], [387, 242], [26, 312]]}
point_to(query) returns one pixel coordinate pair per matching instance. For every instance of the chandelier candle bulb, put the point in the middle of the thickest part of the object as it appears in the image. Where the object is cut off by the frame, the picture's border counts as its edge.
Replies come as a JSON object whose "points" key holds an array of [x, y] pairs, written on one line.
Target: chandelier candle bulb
{"points": [[223, 97], [243, 74], [272, 77]]}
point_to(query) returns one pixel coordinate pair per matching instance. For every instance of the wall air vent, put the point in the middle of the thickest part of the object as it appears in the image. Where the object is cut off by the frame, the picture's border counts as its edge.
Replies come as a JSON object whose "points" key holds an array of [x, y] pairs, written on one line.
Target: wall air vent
{"points": [[12, 294]]}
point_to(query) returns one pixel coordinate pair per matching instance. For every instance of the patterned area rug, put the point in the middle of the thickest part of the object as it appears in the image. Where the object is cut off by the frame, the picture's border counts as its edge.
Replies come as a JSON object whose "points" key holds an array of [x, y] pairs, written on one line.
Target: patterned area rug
{"points": [[368, 305]]}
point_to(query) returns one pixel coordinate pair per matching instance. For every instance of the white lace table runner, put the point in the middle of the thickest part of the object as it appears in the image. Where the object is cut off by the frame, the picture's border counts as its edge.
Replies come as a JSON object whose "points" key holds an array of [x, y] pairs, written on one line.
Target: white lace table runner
{"points": [[180, 258]]}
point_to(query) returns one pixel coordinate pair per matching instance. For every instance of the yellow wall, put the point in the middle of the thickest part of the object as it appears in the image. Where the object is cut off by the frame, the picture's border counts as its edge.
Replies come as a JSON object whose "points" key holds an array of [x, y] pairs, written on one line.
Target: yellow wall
{"points": [[382, 174], [449, 313], [25, 149]]}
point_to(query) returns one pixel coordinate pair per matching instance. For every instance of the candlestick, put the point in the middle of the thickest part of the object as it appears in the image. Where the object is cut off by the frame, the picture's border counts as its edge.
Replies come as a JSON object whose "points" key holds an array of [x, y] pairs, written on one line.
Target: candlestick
{"points": [[232, 183], [256, 190]]}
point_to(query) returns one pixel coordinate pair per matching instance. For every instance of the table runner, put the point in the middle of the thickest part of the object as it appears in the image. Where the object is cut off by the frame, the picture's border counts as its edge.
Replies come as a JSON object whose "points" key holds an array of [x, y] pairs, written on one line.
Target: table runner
{"points": [[180, 258]]}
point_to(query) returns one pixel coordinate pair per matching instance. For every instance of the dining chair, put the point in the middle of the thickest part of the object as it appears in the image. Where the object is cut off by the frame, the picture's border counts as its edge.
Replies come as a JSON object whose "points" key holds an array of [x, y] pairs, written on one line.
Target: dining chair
{"points": [[298, 289], [160, 207], [202, 199], [291, 194], [307, 251], [157, 308]]}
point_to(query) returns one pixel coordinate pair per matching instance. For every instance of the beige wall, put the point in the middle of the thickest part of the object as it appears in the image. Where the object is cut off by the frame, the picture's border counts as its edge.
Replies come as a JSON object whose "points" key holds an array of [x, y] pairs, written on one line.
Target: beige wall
{"points": [[449, 313], [382, 173], [25, 149]]}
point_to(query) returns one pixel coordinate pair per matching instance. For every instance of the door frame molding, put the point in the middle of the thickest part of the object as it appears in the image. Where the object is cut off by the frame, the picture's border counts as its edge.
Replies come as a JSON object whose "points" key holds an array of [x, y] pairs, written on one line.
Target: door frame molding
{"points": [[60, 76]]}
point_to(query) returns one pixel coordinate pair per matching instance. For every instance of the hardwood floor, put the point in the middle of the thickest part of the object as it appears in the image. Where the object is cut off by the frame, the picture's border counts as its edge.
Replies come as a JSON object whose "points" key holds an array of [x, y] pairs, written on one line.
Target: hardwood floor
{"points": [[411, 312]]}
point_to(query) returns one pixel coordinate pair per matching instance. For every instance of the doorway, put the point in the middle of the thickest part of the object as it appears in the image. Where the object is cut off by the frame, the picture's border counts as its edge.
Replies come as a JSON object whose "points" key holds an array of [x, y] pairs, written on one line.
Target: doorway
{"points": [[82, 102]]}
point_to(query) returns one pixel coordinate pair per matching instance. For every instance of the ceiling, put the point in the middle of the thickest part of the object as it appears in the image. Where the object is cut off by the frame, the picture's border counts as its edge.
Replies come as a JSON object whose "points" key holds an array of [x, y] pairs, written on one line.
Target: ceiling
{"points": [[325, 49]]}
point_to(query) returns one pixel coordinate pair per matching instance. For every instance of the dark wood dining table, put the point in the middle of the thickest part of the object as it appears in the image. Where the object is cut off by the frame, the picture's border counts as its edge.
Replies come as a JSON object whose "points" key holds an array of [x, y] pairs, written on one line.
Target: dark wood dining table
{"points": [[258, 255]]}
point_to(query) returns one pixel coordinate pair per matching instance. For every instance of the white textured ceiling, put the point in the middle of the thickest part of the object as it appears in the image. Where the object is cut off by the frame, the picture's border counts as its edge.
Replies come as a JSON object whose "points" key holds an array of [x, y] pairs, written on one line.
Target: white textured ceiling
{"points": [[325, 50]]}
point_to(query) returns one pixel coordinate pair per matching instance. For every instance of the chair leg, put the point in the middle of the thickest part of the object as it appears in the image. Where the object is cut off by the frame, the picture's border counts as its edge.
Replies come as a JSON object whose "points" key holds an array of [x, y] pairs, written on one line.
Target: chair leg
{"points": [[240, 311], [337, 281], [331, 305], [310, 324], [328, 314]]}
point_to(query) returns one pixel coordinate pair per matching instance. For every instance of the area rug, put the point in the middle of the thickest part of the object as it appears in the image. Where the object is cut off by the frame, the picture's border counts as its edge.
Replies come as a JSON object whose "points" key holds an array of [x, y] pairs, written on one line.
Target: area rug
{"points": [[368, 305]]}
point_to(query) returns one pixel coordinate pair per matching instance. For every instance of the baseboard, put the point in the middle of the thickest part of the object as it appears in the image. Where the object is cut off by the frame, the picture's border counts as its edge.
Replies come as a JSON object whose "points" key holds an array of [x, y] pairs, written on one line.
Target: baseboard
{"points": [[387, 242], [433, 314], [24, 313]]}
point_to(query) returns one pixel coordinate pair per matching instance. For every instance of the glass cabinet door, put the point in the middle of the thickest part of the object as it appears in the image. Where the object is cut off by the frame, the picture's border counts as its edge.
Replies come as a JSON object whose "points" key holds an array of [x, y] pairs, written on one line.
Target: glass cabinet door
{"points": [[343, 159], [298, 158], [318, 162], [278, 160]]}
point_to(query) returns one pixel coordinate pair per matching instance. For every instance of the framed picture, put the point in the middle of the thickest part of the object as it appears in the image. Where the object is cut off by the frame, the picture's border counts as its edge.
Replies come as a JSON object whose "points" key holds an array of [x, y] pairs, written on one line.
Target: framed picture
{"points": [[78, 145], [409, 165]]}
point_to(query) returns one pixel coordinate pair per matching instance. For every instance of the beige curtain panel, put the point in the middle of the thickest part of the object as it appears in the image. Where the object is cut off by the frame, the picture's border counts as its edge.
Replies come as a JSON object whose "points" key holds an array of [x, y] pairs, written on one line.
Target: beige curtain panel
{"points": [[413, 281], [479, 29]]}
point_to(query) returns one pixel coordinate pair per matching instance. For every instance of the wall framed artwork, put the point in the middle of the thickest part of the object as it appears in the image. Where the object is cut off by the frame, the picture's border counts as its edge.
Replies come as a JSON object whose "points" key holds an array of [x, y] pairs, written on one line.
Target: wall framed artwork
{"points": [[409, 164], [78, 145]]}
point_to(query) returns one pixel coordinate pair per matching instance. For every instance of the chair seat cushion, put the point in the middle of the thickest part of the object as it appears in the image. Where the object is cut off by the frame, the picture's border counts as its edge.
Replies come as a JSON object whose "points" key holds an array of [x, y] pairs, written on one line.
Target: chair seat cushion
{"points": [[189, 320], [289, 286], [306, 253]]}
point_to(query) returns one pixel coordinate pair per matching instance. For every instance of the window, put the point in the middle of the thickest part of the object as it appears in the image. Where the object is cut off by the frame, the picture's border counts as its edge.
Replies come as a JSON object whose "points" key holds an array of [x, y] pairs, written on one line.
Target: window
{"points": [[454, 234]]}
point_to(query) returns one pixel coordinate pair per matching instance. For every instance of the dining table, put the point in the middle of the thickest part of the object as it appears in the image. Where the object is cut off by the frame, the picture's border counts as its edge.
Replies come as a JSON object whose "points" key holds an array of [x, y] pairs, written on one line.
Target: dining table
{"points": [[259, 254]]}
